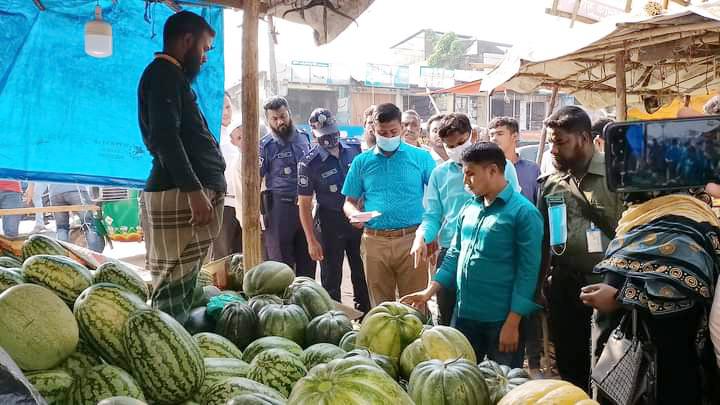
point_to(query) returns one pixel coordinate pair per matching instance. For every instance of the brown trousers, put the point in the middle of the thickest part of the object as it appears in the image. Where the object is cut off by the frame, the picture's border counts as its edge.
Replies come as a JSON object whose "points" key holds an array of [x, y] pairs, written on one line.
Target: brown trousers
{"points": [[389, 268]]}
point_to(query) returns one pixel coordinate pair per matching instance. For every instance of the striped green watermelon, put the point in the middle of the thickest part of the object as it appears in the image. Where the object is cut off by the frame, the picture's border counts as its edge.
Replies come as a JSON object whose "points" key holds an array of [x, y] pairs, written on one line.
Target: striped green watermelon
{"points": [[255, 399], [39, 244], [271, 342], [321, 353], [101, 312], [268, 278], [78, 362], [224, 391], [239, 323], [213, 345], [352, 381], [121, 401], [118, 273], [64, 276], [277, 369], [162, 356], [259, 302], [310, 295], [100, 382], [9, 262], [36, 327], [348, 340], [53, 385], [329, 327], [218, 369], [10, 277], [287, 321]]}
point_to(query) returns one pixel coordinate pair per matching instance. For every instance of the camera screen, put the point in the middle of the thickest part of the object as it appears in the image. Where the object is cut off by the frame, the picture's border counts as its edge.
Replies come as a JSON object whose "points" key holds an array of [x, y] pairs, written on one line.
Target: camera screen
{"points": [[662, 155]]}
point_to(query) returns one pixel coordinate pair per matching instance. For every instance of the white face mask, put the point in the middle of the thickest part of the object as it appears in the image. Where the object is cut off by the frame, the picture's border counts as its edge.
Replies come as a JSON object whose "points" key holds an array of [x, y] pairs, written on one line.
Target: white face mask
{"points": [[455, 154], [388, 144]]}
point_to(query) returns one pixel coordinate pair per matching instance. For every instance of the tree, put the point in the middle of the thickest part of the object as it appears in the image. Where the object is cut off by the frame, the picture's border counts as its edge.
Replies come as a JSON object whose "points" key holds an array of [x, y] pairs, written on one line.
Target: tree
{"points": [[448, 52]]}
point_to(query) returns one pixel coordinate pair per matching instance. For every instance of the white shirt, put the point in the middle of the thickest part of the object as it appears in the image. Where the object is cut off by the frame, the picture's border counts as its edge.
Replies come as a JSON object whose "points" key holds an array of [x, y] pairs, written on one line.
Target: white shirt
{"points": [[231, 154]]}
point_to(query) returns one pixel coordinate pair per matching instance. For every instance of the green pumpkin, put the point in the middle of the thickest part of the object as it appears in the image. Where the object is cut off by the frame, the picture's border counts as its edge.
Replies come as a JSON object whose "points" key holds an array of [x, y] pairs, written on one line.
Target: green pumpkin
{"points": [[501, 379], [439, 343], [268, 278], [288, 321], [452, 382], [309, 295], [351, 381], [348, 340], [389, 328], [329, 327], [384, 362], [238, 323], [258, 302]]}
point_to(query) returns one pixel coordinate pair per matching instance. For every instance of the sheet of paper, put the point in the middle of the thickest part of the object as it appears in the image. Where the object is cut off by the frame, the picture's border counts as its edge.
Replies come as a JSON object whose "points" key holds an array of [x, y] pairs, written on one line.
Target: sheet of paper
{"points": [[364, 216]]}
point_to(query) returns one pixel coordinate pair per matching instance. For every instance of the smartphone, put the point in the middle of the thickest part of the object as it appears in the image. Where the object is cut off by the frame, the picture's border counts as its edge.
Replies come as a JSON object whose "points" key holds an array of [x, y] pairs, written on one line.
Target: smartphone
{"points": [[657, 155]]}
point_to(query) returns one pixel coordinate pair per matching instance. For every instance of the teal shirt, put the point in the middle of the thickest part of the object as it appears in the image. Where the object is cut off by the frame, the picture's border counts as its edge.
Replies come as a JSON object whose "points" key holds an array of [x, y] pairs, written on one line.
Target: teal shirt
{"points": [[494, 260], [445, 196], [393, 185]]}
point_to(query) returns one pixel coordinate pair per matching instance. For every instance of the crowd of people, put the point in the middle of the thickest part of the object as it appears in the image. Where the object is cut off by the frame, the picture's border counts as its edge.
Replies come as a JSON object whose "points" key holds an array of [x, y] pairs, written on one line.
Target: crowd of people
{"points": [[498, 241]]}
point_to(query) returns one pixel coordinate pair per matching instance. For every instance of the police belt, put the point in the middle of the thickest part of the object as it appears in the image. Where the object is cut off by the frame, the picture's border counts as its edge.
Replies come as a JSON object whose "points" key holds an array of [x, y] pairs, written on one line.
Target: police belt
{"points": [[284, 198]]}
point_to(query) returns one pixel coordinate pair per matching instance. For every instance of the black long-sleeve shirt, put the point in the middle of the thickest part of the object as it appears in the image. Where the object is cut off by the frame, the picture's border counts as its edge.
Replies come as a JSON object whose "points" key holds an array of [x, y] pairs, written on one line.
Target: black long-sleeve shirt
{"points": [[185, 153]]}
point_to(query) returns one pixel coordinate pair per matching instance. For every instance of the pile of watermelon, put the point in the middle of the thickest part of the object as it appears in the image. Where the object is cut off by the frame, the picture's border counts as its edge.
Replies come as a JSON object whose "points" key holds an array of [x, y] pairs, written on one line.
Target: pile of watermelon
{"points": [[89, 336]]}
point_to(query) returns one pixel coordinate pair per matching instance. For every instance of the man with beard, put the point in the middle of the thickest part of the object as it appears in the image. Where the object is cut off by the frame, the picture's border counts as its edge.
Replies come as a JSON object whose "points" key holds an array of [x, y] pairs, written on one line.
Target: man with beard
{"points": [[280, 152], [580, 215], [182, 204], [322, 173]]}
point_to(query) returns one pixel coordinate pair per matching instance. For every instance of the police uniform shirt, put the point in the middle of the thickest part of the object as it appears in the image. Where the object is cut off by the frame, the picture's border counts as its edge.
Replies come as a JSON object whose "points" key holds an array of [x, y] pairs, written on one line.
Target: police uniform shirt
{"points": [[323, 174], [279, 161], [606, 203]]}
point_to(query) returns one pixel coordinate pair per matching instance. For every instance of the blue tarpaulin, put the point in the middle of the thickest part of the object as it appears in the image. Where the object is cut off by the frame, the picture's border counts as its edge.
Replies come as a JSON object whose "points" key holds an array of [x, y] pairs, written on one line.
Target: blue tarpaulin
{"points": [[69, 117]]}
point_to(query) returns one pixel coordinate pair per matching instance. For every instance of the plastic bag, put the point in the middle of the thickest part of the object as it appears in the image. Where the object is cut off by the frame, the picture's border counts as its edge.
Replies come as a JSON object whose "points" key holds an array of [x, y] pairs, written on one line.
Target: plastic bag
{"points": [[218, 302], [15, 389]]}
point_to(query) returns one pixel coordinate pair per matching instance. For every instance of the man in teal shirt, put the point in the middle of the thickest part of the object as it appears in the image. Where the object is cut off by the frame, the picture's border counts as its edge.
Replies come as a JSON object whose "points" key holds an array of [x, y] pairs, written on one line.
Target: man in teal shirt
{"points": [[494, 260], [390, 178], [445, 196]]}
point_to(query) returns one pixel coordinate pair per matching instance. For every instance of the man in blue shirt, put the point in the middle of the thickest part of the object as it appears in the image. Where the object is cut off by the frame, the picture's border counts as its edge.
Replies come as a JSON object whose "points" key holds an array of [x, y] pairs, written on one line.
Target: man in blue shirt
{"points": [[494, 260], [322, 173], [280, 152], [445, 197], [391, 179], [504, 131]]}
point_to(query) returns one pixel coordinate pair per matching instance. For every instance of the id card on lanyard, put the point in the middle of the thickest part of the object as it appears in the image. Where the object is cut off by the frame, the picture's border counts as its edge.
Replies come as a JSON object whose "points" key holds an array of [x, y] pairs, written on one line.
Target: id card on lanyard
{"points": [[594, 239]]}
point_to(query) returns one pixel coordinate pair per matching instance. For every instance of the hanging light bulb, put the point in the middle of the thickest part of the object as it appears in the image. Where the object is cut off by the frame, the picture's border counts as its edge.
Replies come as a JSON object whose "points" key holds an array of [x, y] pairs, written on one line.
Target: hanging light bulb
{"points": [[98, 36]]}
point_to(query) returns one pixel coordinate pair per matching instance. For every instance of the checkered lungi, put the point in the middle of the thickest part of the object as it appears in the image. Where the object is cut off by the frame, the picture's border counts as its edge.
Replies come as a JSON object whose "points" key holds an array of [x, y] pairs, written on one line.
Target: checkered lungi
{"points": [[175, 248]]}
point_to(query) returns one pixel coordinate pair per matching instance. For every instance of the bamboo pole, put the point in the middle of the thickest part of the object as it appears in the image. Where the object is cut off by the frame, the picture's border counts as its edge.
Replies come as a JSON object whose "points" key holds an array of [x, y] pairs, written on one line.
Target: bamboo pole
{"points": [[54, 208], [250, 171], [628, 6], [543, 134], [620, 87]]}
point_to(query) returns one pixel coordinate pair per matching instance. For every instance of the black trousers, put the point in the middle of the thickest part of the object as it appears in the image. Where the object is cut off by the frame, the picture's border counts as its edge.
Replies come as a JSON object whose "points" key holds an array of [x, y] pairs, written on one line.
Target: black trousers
{"points": [[338, 239], [229, 240], [445, 298], [284, 238], [569, 322]]}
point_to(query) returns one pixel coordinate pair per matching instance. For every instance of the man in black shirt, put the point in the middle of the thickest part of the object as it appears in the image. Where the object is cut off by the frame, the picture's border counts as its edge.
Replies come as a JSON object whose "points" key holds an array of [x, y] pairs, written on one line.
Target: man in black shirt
{"points": [[183, 198]]}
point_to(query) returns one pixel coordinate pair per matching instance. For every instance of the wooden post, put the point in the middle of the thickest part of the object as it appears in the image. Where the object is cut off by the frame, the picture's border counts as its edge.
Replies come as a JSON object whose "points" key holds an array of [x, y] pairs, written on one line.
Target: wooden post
{"points": [[543, 134], [250, 170], [620, 87], [628, 6]]}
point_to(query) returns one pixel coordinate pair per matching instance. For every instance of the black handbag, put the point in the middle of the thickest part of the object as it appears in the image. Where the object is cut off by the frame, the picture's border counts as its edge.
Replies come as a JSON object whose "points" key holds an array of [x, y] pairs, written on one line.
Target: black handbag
{"points": [[626, 372]]}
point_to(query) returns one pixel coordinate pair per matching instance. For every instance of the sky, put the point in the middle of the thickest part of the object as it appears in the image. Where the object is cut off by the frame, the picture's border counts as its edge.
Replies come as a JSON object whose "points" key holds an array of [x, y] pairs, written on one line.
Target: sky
{"points": [[387, 22]]}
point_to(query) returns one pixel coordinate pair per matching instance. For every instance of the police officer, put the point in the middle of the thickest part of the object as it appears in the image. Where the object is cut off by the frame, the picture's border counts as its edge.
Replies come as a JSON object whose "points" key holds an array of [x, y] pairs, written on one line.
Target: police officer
{"points": [[280, 152], [322, 173]]}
